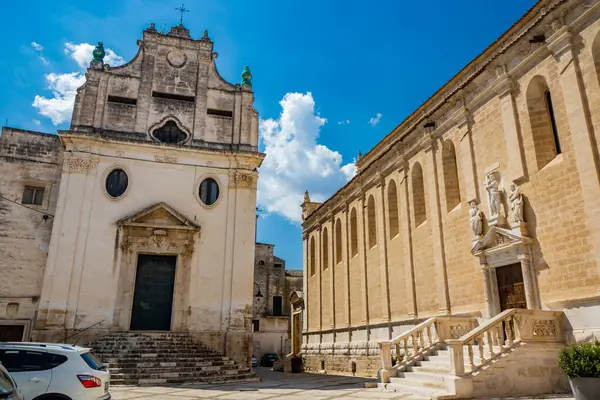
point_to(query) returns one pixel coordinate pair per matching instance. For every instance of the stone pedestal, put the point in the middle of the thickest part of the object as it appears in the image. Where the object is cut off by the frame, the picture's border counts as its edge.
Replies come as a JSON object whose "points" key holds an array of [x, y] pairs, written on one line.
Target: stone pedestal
{"points": [[519, 228]]}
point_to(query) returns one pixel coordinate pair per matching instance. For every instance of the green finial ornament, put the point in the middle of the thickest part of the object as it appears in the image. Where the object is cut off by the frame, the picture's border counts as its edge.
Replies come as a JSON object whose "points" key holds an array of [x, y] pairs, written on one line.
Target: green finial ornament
{"points": [[98, 53], [247, 77]]}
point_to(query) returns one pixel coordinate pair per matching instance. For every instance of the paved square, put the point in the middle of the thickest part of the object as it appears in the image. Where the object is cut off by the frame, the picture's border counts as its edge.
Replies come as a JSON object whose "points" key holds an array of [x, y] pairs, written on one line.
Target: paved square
{"points": [[273, 385]]}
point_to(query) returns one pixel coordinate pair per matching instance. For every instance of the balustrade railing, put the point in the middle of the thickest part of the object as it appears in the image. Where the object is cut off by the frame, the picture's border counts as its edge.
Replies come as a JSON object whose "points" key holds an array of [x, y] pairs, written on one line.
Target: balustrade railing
{"points": [[501, 333], [419, 340]]}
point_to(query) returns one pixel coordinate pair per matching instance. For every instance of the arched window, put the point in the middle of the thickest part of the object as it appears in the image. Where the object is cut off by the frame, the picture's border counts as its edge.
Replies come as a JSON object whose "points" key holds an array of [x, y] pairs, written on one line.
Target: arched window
{"points": [[371, 223], [325, 249], [392, 194], [338, 241], [450, 176], [544, 131], [353, 233], [418, 187], [312, 256]]}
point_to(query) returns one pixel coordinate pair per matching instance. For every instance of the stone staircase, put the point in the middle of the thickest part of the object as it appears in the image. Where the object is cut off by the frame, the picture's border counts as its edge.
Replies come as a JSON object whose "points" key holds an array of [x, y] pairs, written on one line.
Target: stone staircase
{"points": [[446, 357], [164, 358]]}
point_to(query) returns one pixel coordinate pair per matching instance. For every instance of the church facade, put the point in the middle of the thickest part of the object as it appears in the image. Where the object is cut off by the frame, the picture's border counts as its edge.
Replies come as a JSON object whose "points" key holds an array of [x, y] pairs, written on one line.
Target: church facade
{"points": [[140, 216], [485, 199]]}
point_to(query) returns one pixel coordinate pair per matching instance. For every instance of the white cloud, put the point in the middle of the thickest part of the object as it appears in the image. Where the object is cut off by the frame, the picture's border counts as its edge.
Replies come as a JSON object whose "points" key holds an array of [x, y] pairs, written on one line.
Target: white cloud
{"points": [[64, 86], [82, 54], [37, 46], [36, 122], [295, 161], [375, 120], [345, 122]]}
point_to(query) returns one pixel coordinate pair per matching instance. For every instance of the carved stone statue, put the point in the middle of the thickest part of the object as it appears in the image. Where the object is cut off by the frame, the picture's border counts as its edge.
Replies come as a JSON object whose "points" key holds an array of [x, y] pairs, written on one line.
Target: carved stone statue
{"points": [[476, 219], [516, 203], [306, 197], [492, 185], [246, 77]]}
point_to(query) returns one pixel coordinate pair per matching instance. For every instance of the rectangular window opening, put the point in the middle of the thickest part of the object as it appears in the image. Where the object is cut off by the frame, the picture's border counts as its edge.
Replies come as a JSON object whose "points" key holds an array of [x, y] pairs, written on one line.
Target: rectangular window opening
{"points": [[255, 325], [33, 195], [278, 265], [220, 113], [550, 108], [277, 306], [172, 96], [121, 100]]}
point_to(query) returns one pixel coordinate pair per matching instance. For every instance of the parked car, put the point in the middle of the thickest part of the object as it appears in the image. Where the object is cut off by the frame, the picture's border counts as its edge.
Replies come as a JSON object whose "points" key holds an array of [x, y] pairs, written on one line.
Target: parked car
{"points": [[66, 371], [254, 361], [9, 390], [268, 359]]}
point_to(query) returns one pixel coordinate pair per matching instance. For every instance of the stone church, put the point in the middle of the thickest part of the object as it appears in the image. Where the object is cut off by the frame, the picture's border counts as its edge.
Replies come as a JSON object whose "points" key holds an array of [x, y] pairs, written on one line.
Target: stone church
{"points": [[466, 251], [141, 215]]}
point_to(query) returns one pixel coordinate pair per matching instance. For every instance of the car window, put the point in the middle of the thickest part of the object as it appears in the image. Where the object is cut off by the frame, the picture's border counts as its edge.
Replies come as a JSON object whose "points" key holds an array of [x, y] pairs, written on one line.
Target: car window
{"points": [[93, 361], [6, 385], [54, 360], [23, 360]]}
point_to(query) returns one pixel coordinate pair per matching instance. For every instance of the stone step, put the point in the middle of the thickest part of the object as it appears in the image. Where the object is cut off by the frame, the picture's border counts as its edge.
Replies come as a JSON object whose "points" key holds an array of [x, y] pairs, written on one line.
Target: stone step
{"points": [[152, 370], [432, 385], [177, 381], [414, 390], [168, 364], [154, 354], [423, 376]]}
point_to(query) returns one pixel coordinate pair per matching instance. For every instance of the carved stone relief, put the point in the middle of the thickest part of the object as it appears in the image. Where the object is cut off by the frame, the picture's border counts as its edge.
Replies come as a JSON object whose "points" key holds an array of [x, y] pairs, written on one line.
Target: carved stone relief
{"points": [[242, 180], [80, 165], [544, 327], [456, 331]]}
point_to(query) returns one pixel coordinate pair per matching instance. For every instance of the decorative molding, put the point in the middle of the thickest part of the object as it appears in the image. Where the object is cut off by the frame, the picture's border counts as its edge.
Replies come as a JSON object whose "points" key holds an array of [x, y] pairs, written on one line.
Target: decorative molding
{"points": [[457, 331], [242, 180], [120, 154], [544, 327], [166, 159], [80, 165]]}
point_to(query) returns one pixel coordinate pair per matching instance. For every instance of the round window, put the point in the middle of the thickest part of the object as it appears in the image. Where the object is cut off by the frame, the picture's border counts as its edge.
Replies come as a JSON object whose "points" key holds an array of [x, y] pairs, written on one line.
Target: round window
{"points": [[209, 191], [116, 183]]}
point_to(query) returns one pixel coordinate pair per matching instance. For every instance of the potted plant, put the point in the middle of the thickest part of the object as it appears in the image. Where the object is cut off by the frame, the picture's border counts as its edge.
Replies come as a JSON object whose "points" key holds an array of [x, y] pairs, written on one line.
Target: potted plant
{"points": [[581, 364]]}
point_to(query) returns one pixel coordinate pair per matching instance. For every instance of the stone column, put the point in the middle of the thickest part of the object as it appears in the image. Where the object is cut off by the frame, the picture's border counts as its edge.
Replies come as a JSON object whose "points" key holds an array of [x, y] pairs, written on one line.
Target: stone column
{"points": [[463, 119], [527, 281], [511, 126], [407, 240], [435, 217], [363, 259], [318, 271], [332, 264], [578, 114], [383, 259], [346, 264], [487, 295], [305, 276]]}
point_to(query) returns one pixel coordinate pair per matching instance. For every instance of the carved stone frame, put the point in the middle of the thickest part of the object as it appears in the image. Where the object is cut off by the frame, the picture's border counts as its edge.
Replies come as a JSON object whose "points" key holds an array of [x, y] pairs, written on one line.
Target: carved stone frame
{"points": [[498, 248], [135, 238]]}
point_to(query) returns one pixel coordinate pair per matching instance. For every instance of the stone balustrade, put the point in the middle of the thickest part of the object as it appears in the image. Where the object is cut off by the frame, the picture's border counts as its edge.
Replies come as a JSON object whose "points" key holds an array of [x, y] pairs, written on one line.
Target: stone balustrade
{"points": [[495, 337]]}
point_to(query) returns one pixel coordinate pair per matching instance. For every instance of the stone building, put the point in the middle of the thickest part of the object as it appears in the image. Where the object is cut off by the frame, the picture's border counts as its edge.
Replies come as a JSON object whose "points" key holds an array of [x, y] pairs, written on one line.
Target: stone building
{"points": [[141, 215], [432, 225], [273, 289]]}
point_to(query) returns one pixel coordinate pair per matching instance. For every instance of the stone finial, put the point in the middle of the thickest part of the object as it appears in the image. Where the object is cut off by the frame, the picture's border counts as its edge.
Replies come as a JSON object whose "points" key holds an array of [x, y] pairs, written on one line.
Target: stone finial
{"points": [[151, 27], [98, 52], [247, 77], [205, 34], [306, 197], [98, 57], [359, 154]]}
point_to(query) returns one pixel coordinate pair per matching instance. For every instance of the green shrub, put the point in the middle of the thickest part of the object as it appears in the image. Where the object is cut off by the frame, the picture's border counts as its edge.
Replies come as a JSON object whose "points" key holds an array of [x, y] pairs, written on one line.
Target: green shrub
{"points": [[581, 360]]}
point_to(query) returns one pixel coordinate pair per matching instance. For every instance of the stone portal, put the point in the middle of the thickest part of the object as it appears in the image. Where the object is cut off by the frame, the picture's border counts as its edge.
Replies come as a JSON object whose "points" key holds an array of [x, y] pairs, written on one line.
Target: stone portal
{"points": [[153, 295], [511, 289]]}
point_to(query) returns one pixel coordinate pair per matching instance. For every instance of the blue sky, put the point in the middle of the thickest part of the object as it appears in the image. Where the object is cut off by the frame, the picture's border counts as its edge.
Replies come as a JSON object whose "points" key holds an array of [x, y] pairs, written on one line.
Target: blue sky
{"points": [[331, 77]]}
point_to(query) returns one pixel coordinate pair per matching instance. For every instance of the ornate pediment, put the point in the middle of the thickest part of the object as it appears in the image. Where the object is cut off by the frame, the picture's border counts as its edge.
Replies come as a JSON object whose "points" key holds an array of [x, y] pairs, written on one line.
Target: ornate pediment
{"points": [[159, 215], [498, 238]]}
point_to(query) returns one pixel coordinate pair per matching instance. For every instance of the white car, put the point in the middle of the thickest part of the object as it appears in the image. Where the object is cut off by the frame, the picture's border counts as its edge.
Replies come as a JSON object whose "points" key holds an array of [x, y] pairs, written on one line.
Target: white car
{"points": [[50, 371], [9, 390]]}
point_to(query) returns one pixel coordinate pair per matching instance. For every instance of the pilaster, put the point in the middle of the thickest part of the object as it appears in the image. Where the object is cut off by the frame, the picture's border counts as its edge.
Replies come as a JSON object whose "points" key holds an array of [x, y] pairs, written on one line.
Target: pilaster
{"points": [[383, 259], [346, 266], [505, 88], [430, 147], [408, 245], [332, 265], [467, 155], [578, 115], [305, 276], [363, 261]]}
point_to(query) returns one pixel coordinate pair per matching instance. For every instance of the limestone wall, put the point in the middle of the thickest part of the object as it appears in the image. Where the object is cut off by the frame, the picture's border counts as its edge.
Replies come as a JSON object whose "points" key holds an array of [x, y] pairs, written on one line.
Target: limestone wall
{"points": [[26, 159], [501, 122]]}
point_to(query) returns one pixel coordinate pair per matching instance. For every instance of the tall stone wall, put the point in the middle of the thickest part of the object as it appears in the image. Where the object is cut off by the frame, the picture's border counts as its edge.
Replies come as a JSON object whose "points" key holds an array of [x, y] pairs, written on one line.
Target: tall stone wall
{"points": [[26, 159]]}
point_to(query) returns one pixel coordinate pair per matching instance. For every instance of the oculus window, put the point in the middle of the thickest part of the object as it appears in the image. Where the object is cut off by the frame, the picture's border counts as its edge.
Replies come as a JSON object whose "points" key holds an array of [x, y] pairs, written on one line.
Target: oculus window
{"points": [[116, 183], [209, 191]]}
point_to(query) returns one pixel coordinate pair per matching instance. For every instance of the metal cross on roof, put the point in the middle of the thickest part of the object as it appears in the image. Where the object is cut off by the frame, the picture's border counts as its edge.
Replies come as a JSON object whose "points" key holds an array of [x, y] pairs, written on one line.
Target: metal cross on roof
{"points": [[182, 10]]}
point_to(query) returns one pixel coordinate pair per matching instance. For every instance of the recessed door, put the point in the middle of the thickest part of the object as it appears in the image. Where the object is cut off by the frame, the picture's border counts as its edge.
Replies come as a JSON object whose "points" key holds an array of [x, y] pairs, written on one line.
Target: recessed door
{"points": [[511, 289], [153, 296]]}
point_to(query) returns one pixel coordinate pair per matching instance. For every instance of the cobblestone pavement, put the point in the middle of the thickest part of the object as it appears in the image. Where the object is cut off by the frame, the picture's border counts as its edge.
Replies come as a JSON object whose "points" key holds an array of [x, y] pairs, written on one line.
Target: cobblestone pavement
{"points": [[273, 385]]}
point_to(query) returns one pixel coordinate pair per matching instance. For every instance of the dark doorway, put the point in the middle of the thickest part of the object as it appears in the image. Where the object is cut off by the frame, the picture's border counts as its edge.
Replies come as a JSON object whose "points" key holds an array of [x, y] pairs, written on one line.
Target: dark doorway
{"points": [[277, 306], [153, 296], [510, 287], [11, 333]]}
